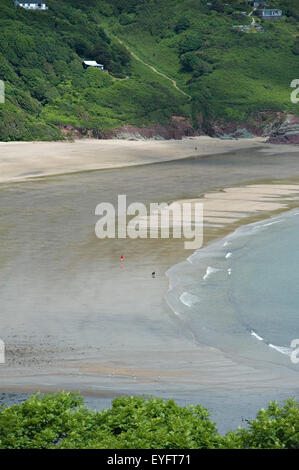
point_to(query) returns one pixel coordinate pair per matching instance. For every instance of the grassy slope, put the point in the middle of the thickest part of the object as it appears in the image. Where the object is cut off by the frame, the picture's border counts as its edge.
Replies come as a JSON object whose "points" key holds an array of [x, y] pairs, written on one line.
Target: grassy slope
{"points": [[235, 75], [46, 86], [250, 72]]}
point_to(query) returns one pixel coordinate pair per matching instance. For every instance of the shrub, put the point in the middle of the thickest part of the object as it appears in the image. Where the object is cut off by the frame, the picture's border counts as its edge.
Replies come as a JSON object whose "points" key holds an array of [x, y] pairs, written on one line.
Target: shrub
{"points": [[62, 421], [182, 24], [276, 427]]}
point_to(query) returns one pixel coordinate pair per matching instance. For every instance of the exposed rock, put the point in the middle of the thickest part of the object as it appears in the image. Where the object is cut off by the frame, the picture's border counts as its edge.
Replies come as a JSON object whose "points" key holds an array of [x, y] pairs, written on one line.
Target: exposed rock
{"points": [[279, 127], [287, 132], [233, 131], [257, 126], [178, 128], [76, 132]]}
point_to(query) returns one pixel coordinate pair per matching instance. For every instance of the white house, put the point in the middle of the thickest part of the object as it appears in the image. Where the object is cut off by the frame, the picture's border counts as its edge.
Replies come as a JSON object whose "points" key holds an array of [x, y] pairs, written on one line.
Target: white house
{"points": [[31, 5], [256, 3], [269, 14], [92, 63]]}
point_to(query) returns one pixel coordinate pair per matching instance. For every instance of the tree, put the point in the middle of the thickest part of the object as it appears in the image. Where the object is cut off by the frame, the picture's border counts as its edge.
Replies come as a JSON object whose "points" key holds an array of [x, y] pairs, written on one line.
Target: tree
{"points": [[182, 24], [61, 420], [192, 63], [276, 427], [190, 42], [295, 48]]}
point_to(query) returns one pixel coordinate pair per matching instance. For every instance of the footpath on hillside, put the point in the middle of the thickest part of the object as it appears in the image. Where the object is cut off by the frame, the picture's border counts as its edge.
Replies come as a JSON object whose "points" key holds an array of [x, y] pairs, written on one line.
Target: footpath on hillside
{"points": [[174, 83]]}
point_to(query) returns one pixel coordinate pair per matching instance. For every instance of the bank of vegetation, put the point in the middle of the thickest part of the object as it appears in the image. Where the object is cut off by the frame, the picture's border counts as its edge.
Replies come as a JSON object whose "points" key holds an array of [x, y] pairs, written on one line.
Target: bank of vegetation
{"points": [[229, 74], [61, 421]]}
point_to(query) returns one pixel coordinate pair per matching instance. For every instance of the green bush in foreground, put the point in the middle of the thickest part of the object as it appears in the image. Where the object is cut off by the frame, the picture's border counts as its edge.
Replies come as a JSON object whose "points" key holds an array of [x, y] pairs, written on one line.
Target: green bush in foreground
{"points": [[62, 421]]}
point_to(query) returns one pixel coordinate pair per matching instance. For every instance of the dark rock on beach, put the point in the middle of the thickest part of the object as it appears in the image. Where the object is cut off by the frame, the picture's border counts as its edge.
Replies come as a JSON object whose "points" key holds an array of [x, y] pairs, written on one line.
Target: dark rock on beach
{"points": [[287, 132]]}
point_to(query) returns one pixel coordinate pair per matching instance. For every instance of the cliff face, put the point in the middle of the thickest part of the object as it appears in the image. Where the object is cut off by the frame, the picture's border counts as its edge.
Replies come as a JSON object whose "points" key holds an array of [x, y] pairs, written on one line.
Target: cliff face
{"points": [[280, 128], [287, 132], [178, 128]]}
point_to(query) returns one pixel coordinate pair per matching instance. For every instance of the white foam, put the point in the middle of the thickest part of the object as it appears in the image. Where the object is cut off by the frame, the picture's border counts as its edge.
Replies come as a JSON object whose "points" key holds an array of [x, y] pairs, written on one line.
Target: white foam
{"points": [[229, 271], [253, 333], [272, 223], [188, 299], [228, 255], [209, 271], [281, 349]]}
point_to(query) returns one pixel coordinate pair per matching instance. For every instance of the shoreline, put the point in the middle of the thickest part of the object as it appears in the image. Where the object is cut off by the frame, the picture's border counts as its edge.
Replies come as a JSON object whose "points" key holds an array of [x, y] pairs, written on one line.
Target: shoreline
{"points": [[157, 356], [231, 391], [265, 200], [271, 199], [217, 247], [25, 161]]}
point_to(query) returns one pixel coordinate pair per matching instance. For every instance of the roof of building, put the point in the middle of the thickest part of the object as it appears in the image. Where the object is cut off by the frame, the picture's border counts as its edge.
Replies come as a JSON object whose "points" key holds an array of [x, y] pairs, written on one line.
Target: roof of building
{"points": [[269, 10], [92, 63], [21, 2]]}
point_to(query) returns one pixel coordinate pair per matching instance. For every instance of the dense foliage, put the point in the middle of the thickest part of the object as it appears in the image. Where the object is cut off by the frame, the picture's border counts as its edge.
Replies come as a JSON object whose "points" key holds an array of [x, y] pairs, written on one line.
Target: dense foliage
{"points": [[41, 56], [62, 421], [230, 74]]}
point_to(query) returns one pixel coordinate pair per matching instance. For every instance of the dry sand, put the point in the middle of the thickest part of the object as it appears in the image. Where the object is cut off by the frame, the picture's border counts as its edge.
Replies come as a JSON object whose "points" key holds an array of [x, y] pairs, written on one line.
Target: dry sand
{"points": [[231, 205], [24, 160], [225, 210]]}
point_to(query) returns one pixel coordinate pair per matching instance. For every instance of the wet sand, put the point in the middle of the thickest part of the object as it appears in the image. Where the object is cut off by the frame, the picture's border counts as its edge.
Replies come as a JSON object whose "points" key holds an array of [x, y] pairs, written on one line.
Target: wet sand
{"points": [[72, 319]]}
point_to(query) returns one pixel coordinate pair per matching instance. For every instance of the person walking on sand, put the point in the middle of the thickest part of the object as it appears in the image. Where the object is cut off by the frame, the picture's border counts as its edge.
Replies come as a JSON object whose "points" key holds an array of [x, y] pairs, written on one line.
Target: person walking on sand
{"points": [[122, 260], [153, 275]]}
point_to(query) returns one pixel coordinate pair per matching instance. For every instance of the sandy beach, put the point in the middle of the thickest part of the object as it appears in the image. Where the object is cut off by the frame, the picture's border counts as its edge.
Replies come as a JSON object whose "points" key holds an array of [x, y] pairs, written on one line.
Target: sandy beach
{"points": [[23, 160], [78, 321]]}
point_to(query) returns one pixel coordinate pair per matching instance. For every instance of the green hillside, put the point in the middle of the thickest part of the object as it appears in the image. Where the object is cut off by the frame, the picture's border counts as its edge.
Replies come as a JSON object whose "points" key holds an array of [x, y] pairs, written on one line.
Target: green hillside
{"points": [[229, 74], [41, 57]]}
